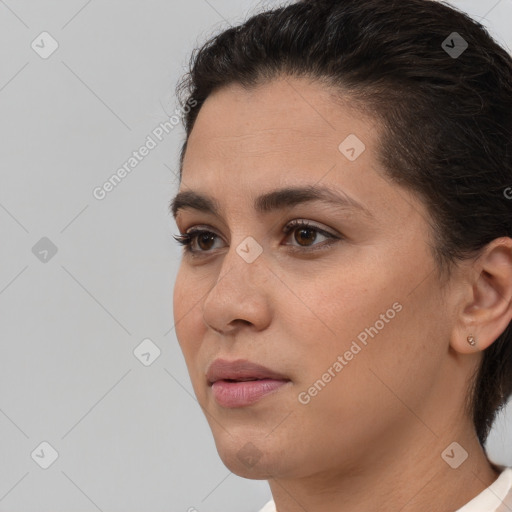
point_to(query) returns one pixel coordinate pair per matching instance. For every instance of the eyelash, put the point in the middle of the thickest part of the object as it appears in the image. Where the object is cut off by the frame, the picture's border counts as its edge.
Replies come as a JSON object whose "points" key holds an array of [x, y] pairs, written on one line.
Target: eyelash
{"points": [[187, 239]]}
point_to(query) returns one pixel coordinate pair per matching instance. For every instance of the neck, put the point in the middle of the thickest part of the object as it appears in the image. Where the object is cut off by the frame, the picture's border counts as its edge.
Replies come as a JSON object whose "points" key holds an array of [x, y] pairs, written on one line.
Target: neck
{"points": [[405, 476]]}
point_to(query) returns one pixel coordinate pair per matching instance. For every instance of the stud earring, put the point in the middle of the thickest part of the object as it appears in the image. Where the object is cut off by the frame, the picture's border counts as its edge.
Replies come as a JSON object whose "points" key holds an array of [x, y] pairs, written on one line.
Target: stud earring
{"points": [[471, 340]]}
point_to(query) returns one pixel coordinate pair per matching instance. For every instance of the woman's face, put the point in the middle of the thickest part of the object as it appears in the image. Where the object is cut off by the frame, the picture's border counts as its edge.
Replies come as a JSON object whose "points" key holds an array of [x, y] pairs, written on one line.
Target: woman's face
{"points": [[343, 310]]}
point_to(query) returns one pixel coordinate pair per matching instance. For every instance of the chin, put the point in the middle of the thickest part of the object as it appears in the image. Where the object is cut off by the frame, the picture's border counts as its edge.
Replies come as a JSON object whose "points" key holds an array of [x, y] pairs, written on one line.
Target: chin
{"points": [[249, 463], [251, 457]]}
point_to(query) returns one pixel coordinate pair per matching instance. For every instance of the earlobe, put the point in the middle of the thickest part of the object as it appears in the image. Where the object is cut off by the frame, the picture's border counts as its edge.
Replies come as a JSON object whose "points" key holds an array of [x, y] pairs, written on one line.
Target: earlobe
{"points": [[465, 343], [488, 308]]}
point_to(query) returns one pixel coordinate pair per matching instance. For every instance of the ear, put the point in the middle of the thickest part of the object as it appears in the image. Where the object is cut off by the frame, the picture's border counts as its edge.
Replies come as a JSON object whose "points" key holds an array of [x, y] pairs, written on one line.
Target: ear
{"points": [[486, 307]]}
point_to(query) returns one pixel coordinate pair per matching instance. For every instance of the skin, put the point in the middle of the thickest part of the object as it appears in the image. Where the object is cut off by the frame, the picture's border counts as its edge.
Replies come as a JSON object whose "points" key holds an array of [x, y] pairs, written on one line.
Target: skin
{"points": [[383, 422]]}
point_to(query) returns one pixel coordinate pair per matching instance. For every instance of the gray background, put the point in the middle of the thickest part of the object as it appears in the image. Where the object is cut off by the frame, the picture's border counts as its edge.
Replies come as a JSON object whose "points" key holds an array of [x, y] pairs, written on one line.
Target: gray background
{"points": [[129, 437]]}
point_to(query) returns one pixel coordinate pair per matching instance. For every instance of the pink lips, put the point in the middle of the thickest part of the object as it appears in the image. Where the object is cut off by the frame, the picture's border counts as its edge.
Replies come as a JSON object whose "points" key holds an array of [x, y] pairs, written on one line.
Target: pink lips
{"points": [[240, 383]]}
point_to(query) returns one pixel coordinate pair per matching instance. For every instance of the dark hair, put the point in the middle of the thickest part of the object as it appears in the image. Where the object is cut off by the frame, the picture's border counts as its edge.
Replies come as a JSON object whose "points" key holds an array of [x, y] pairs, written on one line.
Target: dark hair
{"points": [[446, 119]]}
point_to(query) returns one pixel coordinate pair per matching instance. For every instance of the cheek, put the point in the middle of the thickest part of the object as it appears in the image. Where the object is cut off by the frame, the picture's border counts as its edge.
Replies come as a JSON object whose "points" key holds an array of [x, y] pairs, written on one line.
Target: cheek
{"points": [[187, 315], [335, 307], [373, 380], [368, 318], [189, 331]]}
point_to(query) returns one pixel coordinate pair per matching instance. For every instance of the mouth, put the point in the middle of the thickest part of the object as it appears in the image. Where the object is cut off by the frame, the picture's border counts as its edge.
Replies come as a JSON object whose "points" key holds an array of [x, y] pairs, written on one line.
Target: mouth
{"points": [[239, 380], [242, 383], [240, 371]]}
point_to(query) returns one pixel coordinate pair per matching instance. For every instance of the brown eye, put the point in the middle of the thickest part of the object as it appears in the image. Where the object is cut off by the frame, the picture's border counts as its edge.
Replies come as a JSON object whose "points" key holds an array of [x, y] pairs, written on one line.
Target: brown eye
{"points": [[201, 242], [205, 240], [202, 238], [305, 235]]}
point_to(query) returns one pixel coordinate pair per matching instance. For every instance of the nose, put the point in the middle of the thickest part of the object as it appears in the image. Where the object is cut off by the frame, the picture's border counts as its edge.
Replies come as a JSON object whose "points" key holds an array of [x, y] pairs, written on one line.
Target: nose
{"points": [[240, 295]]}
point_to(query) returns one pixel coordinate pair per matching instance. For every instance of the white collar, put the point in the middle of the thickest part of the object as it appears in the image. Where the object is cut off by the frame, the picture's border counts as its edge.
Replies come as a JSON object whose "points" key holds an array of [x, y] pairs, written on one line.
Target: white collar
{"points": [[489, 500]]}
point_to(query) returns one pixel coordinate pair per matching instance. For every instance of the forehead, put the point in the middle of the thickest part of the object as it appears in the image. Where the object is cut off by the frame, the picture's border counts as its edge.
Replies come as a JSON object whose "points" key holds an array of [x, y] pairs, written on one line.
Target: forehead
{"points": [[287, 127], [285, 112], [284, 133]]}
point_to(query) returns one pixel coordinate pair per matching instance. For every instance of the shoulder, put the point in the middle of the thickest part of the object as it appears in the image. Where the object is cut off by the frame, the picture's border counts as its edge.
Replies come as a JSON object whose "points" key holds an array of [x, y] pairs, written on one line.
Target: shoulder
{"points": [[269, 507]]}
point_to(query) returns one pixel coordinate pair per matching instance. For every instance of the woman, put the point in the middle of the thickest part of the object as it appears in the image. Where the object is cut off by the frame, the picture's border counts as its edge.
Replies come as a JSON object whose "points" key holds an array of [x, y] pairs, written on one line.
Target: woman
{"points": [[344, 300]]}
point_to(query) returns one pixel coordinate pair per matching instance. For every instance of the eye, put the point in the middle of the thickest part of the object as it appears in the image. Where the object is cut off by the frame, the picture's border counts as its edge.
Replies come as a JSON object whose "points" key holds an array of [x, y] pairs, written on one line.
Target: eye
{"points": [[306, 233], [195, 236]]}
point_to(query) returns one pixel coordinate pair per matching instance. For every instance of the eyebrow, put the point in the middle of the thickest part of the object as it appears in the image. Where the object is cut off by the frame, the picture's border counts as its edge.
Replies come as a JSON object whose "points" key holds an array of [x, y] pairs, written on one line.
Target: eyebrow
{"points": [[275, 200]]}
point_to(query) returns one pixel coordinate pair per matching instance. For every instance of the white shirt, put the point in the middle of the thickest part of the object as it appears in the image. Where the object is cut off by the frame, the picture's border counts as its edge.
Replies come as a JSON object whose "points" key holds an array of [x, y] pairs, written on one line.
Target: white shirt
{"points": [[489, 500]]}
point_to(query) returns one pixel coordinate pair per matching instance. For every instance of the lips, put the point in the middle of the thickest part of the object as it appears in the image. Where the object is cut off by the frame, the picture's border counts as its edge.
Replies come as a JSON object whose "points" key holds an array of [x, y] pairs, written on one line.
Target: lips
{"points": [[240, 371], [237, 384]]}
